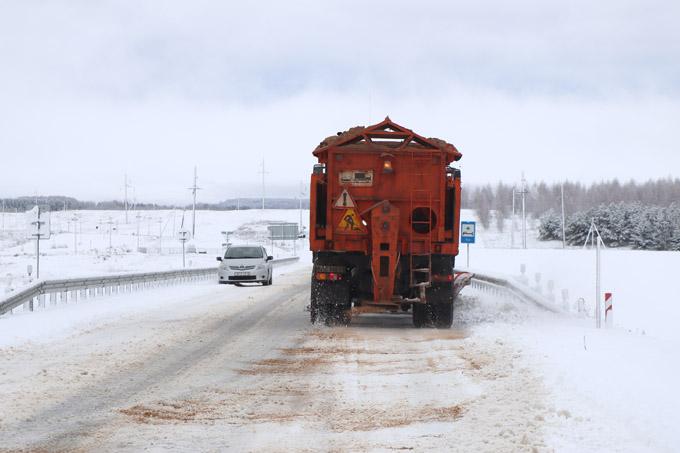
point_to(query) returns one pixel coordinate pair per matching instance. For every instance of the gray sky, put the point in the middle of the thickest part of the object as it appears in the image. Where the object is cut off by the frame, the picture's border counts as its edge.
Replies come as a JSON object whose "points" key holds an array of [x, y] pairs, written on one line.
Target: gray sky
{"points": [[90, 90]]}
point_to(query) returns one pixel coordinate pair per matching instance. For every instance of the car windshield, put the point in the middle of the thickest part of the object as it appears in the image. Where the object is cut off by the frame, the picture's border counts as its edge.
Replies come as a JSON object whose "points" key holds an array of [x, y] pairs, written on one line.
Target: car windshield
{"points": [[243, 252]]}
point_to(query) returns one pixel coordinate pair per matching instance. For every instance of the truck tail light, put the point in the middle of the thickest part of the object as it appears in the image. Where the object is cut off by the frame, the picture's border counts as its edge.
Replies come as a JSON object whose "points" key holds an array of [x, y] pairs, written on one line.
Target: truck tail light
{"points": [[387, 166], [328, 276]]}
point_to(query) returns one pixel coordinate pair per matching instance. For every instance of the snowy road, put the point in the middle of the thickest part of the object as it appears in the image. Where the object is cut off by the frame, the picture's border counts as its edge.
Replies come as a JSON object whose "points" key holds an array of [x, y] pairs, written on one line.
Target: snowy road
{"points": [[241, 368]]}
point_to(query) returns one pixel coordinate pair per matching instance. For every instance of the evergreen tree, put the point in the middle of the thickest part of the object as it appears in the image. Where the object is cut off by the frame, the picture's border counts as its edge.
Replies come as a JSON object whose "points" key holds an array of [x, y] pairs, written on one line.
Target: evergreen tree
{"points": [[550, 226]]}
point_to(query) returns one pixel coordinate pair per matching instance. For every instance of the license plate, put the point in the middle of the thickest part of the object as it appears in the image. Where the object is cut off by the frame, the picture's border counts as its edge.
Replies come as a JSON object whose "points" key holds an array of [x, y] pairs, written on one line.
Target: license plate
{"points": [[241, 273]]}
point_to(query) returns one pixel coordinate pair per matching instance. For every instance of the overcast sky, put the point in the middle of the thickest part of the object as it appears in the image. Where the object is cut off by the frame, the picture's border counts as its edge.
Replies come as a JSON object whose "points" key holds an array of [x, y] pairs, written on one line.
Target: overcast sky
{"points": [[90, 90]]}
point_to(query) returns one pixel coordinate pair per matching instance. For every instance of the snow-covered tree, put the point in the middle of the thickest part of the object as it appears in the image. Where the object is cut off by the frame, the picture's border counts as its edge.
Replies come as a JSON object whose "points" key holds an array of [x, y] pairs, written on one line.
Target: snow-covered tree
{"points": [[550, 226], [576, 229]]}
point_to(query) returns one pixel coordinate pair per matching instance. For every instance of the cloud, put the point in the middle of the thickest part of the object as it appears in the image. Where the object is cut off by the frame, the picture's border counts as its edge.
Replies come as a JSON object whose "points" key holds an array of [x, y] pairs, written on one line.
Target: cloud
{"points": [[94, 89]]}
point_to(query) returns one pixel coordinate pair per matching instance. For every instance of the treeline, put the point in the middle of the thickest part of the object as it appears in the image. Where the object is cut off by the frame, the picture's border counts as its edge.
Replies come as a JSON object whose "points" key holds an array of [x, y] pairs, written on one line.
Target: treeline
{"points": [[623, 224], [56, 203], [578, 197]]}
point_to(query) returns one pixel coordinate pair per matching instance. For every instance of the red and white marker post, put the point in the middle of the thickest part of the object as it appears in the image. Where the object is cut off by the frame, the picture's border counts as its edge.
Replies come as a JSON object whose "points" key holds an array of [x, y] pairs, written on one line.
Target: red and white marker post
{"points": [[608, 311]]}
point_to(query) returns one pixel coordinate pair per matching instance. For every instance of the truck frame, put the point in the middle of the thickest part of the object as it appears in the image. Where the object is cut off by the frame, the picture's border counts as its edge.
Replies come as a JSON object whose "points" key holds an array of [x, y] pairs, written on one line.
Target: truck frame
{"points": [[384, 225]]}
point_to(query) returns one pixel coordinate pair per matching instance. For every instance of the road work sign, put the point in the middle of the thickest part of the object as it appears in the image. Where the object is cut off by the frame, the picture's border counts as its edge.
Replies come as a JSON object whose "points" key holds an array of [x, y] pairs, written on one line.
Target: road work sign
{"points": [[467, 232], [351, 223], [344, 201]]}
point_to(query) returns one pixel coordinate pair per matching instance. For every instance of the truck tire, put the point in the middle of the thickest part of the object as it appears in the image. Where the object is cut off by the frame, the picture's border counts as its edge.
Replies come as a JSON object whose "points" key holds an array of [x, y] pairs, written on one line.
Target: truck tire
{"points": [[442, 315], [422, 316], [313, 304], [440, 300], [332, 302], [336, 316]]}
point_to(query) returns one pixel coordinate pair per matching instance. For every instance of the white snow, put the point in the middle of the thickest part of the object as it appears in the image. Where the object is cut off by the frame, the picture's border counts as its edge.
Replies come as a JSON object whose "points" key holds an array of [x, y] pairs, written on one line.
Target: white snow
{"points": [[86, 252], [536, 380], [611, 389]]}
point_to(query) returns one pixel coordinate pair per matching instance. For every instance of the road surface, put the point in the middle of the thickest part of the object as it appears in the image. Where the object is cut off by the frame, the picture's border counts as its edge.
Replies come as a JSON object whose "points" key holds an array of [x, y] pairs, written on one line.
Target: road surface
{"points": [[242, 369]]}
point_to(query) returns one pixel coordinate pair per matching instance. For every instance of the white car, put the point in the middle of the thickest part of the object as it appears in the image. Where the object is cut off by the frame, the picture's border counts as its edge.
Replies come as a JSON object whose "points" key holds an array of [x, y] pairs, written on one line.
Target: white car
{"points": [[245, 263]]}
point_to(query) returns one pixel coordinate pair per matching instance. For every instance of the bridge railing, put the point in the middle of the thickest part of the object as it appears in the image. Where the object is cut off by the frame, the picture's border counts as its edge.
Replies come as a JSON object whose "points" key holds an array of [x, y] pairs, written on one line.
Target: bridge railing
{"points": [[74, 289], [502, 286]]}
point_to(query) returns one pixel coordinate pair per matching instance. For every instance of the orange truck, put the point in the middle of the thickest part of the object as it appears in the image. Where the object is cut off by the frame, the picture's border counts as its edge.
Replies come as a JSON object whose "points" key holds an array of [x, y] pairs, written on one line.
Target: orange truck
{"points": [[384, 225]]}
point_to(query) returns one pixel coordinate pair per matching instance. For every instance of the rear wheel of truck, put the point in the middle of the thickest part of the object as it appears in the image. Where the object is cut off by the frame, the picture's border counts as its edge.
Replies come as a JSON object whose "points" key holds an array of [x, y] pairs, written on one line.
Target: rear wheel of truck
{"points": [[440, 300], [422, 316], [442, 315], [331, 302], [336, 316], [313, 303]]}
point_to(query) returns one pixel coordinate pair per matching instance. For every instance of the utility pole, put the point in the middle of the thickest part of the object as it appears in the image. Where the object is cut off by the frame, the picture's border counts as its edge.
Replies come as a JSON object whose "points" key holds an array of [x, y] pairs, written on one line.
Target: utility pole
{"points": [[126, 185], [302, 194], [512, 225], [160, 236], [110, 224], [138, 217], [524, 212], [523, 192], [564, 237], [75, 233], [39, 229], [194, 189], [263, 172]]}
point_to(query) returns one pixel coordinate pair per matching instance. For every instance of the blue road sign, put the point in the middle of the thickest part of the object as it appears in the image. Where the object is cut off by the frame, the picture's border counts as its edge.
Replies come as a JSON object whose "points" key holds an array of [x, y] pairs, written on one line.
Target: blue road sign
{"points": [[467, 232]]}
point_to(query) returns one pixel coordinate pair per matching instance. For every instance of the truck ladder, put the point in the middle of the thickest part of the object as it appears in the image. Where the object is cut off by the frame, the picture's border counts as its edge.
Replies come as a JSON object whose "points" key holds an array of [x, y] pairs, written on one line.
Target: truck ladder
{"points": [[420, 256]]}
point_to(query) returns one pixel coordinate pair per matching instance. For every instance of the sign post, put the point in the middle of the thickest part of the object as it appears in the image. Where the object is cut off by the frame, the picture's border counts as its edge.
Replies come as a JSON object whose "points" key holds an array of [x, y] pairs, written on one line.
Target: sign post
{"points": [[38, 223], [596, 242], [467, 236], [608, 311], [283, 232], [183, 235]]}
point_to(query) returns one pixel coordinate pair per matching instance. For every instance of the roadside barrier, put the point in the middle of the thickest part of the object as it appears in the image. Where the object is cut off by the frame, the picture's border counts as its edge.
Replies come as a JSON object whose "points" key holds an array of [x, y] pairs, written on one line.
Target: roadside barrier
{"points": [[506, 287], [74, 289], [608, 310]]}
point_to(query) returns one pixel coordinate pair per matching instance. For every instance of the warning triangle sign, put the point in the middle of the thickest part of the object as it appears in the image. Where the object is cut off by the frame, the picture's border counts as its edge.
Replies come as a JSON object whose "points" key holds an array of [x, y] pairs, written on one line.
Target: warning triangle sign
{"points": [[345, 201], [351, 223]]}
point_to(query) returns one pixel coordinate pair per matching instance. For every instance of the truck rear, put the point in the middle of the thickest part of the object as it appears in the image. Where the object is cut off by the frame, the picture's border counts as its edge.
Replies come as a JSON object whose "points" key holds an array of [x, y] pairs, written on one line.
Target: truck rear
{"points": [[384, 225]]}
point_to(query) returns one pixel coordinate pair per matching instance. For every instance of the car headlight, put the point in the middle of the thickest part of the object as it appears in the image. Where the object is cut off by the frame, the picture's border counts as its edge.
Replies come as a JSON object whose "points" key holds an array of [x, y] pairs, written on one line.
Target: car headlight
{"points": [[260, 267]]}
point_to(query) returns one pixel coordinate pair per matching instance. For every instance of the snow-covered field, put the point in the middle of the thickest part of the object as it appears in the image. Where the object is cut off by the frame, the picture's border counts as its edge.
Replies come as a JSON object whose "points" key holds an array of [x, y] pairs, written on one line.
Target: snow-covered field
{"points": [[101, 242], [204, 367]]}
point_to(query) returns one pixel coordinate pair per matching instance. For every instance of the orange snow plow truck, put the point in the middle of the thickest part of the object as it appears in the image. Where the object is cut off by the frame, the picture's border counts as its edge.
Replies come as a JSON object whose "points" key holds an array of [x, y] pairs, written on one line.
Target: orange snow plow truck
{"points": [[384, 226]]}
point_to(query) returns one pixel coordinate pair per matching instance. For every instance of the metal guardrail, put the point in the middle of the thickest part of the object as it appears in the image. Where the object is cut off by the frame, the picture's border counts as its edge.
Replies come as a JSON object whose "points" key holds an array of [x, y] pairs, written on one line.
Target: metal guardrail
{"points": [[506, 287], [73, 289]]}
